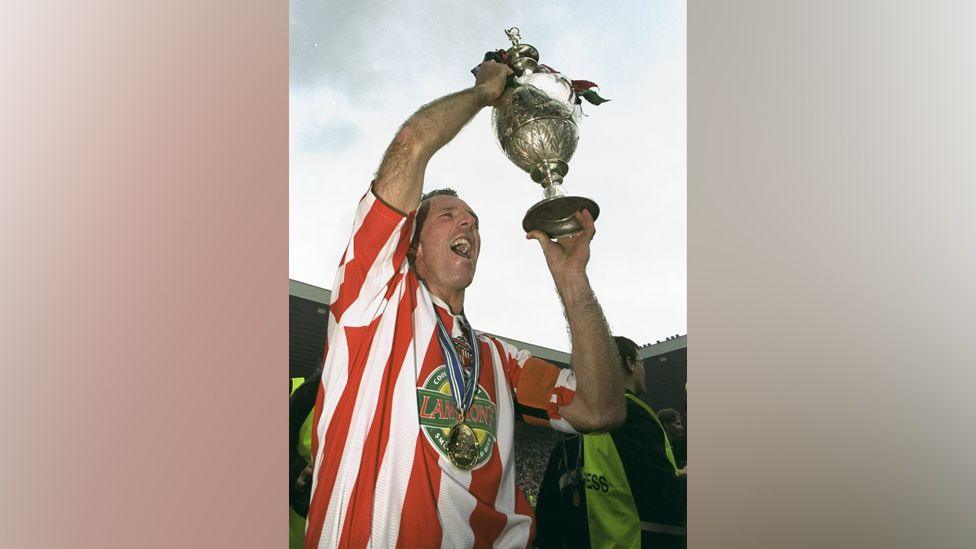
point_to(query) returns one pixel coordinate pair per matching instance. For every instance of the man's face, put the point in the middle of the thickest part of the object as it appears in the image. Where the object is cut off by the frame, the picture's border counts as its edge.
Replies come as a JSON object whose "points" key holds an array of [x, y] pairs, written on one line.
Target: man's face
{"points": [[637, 372], [675, 429], [447, 252]]}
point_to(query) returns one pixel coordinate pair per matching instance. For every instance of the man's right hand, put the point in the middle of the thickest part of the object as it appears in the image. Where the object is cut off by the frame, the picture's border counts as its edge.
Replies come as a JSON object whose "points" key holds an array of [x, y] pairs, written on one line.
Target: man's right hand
{"points": [[400, 179], [490, 78], [303, 478]]}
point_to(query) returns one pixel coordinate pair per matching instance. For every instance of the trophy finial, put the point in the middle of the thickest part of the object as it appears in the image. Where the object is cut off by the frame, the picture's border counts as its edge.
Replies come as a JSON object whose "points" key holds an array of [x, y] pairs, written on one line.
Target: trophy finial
{"points": [[513, 35], [521, 57]]}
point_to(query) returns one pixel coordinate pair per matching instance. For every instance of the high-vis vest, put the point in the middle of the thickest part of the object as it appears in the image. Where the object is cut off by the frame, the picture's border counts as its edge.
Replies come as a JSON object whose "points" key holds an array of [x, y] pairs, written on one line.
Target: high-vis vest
{"points": [[305, 433], [611, 512], [296, 522]]}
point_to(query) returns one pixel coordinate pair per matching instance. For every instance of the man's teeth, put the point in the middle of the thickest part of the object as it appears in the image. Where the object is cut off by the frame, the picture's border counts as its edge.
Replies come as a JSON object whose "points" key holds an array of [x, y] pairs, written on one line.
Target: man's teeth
{"points": [[461, 246]]}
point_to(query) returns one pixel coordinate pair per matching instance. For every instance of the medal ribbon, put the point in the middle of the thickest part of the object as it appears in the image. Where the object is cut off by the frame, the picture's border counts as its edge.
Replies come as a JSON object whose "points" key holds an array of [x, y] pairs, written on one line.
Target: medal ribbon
{"points": [[463, 393]]}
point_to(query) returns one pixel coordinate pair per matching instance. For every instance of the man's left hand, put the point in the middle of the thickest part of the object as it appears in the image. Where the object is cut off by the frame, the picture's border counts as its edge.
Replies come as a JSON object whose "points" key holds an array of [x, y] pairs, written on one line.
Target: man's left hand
{"points": [[568, 255]]}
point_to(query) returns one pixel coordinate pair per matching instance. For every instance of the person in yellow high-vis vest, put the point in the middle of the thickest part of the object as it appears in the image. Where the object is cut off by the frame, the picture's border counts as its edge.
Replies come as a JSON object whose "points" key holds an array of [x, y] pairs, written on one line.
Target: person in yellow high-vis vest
{"points": [[300, 418], [618, 489]]}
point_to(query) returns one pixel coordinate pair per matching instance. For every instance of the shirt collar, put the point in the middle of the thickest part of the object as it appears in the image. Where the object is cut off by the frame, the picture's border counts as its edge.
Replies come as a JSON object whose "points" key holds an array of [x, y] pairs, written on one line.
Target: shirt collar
{"points": [[459, 319], [438, 302]]}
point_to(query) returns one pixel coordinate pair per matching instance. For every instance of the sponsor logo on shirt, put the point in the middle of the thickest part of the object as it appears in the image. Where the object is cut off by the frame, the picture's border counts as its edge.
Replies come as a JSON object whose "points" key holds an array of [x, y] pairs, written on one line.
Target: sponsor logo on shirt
{"points": [[438, 413]]}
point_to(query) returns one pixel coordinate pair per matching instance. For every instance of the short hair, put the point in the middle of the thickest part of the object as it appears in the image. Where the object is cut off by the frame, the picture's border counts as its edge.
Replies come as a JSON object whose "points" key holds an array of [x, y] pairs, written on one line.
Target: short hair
{"points": [[668, 416], [626, 348], [421, 216]]}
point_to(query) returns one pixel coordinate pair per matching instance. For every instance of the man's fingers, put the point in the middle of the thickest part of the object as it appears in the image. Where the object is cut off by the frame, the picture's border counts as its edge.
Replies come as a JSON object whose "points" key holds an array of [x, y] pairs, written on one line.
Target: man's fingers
{"points": [[486, 68], [547, 245], [506, 69], [536, 234], [586, 221]]}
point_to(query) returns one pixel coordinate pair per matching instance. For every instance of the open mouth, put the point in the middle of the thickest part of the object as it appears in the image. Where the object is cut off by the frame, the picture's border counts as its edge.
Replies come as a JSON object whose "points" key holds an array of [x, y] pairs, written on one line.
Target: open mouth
{"points": [[462, 247]]}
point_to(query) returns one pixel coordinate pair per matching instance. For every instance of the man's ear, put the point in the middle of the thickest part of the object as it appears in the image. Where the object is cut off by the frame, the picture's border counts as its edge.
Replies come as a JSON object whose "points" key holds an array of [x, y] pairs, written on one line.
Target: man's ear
{"points": [[412, 253]]}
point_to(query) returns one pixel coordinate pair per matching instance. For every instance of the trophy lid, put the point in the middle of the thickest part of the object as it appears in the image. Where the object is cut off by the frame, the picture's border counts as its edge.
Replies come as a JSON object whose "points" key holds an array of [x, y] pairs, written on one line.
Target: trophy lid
{"points": [[521, 57]]}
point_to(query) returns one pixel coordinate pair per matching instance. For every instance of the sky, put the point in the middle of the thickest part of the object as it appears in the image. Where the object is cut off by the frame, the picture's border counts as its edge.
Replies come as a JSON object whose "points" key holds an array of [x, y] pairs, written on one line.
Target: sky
{"points": [[359, 70]]}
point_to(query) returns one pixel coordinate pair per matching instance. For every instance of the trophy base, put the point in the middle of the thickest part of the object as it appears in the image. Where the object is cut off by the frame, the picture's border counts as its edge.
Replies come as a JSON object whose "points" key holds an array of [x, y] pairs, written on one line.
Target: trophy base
{"points": [[554, 216]]}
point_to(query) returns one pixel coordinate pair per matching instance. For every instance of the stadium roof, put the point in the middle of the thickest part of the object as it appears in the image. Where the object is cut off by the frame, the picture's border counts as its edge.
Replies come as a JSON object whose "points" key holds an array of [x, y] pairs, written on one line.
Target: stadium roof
{"points": [[666, 346]]}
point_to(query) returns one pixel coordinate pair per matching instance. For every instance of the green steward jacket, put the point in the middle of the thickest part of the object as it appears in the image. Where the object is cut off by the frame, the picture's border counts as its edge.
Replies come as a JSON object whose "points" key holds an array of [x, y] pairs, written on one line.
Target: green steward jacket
{"points": [[619, 489]]}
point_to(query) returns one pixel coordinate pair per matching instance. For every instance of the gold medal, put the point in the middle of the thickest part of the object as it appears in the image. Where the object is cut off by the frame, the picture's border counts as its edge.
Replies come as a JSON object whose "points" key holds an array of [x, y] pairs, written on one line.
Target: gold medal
{"points": [[463, 368], [462, 446]]}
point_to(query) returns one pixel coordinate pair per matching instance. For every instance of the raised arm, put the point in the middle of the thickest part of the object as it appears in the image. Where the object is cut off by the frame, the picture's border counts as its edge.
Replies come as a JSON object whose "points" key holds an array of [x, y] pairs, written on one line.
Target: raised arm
{"points": [[400, 178], [599, 403]]}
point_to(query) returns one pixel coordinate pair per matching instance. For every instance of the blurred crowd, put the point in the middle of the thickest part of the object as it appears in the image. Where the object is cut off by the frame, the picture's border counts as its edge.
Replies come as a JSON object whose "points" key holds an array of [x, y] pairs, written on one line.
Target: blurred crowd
{"points": [[532, 447]]}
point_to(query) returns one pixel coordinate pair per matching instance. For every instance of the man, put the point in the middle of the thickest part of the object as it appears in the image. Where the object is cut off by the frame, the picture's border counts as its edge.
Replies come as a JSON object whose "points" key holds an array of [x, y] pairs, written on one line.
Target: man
{"points": [[671, 421], [618, 489], [413, 444]]}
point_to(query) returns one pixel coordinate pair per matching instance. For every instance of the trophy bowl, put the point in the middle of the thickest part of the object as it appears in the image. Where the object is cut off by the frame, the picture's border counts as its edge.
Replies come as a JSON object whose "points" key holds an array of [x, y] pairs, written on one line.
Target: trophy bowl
{"points": [[537, 125]]}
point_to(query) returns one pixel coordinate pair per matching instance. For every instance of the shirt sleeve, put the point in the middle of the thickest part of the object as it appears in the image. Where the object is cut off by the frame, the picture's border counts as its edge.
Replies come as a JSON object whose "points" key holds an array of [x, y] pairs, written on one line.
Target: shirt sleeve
{"points": [[539, 388], [375, 255]]}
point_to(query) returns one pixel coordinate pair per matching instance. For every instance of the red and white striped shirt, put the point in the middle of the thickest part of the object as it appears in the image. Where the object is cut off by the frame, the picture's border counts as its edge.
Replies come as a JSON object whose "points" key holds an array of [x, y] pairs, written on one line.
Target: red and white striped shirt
{"points": [[381, 475]]}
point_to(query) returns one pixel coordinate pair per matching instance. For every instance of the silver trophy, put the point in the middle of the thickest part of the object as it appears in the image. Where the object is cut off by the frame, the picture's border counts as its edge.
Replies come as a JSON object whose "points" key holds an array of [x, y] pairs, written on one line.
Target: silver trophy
{"points": [[536, 123]]}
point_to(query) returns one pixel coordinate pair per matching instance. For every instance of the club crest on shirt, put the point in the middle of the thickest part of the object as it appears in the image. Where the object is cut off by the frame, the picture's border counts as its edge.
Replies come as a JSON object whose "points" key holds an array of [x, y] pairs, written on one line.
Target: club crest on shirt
{"points": [[438, 413]]}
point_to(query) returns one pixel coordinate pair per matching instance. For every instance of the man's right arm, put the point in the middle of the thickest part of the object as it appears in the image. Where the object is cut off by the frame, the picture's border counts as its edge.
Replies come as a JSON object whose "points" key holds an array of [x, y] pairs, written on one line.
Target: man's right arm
{"points": [[400, 178]]}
